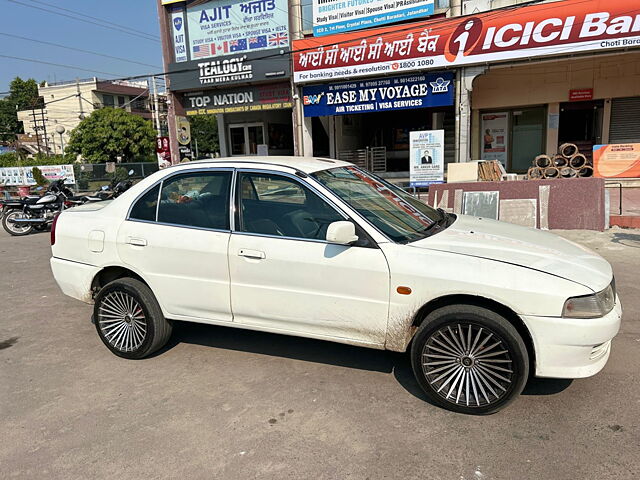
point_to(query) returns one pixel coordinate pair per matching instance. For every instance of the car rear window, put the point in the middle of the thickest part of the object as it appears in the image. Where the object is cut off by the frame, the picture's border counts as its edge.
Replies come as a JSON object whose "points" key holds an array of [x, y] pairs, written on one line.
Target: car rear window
{"points": [[145, 207]]}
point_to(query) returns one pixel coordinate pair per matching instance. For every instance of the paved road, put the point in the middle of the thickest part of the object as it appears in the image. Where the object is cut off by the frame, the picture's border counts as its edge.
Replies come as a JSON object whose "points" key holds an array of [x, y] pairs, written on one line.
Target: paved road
{"points": [[224, 403]]}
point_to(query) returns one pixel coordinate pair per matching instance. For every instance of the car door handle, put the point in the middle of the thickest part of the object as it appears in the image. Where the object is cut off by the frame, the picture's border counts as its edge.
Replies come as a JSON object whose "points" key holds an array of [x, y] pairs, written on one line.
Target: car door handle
{"points": [[138, 242], [243, 252]]}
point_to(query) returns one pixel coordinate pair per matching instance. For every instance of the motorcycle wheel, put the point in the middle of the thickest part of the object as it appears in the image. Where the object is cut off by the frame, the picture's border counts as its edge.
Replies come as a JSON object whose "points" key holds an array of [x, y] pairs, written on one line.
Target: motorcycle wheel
{"points": [[12, 228]]}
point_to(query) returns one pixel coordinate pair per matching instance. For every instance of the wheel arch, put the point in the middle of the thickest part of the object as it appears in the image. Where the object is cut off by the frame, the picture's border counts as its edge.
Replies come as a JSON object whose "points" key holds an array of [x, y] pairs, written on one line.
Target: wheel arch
{"points": [[111, 273], [461, 299]]}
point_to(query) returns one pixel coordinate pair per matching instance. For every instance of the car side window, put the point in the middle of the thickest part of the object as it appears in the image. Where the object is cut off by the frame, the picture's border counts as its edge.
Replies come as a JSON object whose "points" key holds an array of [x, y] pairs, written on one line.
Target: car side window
{"points": [[272, 204], [145, 207], [196, 199]]}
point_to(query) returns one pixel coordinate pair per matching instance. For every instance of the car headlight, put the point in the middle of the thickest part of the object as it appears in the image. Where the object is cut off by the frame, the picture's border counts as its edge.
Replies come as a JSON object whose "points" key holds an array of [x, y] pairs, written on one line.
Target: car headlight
{"points": [[591, 306]]}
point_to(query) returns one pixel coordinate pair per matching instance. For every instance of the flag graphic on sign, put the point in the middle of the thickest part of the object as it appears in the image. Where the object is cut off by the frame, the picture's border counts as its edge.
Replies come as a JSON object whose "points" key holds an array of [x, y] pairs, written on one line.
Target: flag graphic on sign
{"points": [[200, 51], [238, 45], [258, 42], [278, 39], [223, 47]]}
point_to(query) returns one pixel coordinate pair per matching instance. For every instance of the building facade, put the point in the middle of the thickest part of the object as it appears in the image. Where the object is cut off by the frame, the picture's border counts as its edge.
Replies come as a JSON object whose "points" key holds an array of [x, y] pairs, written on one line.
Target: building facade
{"points": [[67, 103], [502, 79]]}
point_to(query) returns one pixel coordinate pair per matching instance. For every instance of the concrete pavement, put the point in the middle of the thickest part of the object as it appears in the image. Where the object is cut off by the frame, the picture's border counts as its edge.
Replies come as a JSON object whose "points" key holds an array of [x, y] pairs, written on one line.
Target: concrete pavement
{"points": [[226, 403]]}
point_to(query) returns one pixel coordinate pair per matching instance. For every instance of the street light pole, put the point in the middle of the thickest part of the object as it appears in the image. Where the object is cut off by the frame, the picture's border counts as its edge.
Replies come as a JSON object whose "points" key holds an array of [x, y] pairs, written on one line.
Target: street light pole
{"points": [[60, 129]]}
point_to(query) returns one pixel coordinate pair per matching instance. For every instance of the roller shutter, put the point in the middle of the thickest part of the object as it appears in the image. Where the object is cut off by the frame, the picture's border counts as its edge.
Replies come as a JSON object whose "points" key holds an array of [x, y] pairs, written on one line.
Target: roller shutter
{"points": [[625, 120]]}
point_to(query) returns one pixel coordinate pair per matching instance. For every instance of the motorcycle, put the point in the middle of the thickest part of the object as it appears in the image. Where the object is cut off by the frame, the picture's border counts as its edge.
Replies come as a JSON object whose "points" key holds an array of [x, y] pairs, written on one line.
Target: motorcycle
{"points": [[109, 192], [30, 214]]}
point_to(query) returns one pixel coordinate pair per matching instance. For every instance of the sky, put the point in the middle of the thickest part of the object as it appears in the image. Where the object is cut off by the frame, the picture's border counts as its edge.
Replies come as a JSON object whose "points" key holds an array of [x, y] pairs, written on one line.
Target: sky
{"points": [[46, 26]]}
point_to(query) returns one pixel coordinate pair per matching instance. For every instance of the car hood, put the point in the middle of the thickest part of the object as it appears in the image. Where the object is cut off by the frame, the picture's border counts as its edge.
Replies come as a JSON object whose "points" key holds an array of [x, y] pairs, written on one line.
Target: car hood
{"points": [[522, 246]]}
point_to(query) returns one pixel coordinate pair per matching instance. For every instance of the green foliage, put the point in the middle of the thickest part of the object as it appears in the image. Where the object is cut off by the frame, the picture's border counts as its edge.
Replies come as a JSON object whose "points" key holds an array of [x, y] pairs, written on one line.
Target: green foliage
{"points": [[24, 95], [16, 160], [204, 130], [39, 178], [110, 133], [119, 175]]}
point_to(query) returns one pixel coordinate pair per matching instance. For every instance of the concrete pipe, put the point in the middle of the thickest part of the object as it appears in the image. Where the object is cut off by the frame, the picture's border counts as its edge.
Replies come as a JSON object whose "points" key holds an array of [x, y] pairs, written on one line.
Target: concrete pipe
{"points": [[577, 161], [568, 172], [551, 172], [568, 150], [560, 161], [542, 161], [585, 171], [535, 173]]}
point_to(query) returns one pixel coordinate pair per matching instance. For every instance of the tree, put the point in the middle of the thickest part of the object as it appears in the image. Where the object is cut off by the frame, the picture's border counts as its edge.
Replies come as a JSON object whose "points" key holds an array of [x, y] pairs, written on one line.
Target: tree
{"points": [[110, 133], [204, 130], [23, 95]]}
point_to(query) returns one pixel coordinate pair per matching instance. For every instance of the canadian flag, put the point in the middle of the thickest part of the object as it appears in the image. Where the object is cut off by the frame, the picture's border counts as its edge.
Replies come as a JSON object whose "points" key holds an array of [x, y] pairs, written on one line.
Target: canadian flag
{"points": [[223, 47]]}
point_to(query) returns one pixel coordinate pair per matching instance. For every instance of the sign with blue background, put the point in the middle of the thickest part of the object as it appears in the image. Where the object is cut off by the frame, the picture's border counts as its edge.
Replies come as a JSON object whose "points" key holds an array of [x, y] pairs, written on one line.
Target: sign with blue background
{"points": [[379, 95]]}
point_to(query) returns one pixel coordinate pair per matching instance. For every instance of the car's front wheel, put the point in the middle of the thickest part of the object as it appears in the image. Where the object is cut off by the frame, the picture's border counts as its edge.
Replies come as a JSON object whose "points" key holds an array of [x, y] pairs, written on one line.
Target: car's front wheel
{"points": [[469, 359], [129, 319]]}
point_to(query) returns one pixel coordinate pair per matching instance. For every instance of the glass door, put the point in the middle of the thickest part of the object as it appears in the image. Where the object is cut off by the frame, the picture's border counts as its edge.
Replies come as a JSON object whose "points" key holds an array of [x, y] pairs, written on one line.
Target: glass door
{"points": [[245, 138]]}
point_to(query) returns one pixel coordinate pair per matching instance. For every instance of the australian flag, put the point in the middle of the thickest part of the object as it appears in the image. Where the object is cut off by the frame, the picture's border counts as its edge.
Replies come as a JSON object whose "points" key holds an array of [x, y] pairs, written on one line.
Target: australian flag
{"points": [[238, 45], [258, 42]]}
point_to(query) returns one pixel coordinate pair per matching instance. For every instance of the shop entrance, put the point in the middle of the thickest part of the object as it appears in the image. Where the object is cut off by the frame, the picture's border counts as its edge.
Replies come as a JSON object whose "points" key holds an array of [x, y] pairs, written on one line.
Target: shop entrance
{"points": [[581, 124], [244, 138]]}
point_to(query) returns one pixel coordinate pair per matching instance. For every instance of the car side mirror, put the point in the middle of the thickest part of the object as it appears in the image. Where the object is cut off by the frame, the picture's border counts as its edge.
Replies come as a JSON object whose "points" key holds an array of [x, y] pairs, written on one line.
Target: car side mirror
{"points": [[342, 233]]}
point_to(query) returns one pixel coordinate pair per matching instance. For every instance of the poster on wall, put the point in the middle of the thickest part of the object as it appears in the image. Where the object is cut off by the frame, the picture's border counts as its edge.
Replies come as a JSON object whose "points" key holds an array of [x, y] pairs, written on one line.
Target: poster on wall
{"points": [[495, 137], [163, 152], [17, 176], [237, 26], [336, 16], [179, 37], [621, 160], [426, 157]]}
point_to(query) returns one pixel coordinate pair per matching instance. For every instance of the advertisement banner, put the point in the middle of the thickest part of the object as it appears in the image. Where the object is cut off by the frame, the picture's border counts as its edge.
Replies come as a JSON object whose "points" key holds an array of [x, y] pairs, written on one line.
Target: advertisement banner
{"points": [[559, 28], [337, 16], [163, 151], [179, 36], [16, 176], [495, 137], [229, 70], [391, 93], [426, 157], [621, 160], [237, 26], [242, 99]]}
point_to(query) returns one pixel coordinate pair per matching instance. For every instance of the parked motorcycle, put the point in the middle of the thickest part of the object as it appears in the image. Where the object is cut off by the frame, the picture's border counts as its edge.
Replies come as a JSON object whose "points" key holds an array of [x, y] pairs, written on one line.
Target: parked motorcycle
{"points": [[111, 191], [26, 215]]}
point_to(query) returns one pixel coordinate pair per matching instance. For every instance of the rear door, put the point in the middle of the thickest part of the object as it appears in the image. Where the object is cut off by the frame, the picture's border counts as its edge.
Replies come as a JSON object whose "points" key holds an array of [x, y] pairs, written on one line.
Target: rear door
{"points": [[176, 236], [285, 276]]}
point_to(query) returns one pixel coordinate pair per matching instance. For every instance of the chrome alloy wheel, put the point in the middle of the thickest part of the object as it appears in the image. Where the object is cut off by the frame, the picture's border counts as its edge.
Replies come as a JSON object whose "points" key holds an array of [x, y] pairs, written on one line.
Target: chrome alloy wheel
{"points": [[122, 321], [468, 365], [14, 227]]}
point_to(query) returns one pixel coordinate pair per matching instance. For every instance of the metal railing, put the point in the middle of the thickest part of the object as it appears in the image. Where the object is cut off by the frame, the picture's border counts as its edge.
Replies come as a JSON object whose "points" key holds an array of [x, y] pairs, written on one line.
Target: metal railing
{"points": [[373, 159]]}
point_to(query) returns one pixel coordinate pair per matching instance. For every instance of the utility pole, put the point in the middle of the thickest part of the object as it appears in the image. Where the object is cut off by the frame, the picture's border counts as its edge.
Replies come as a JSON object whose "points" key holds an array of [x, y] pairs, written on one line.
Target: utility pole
{"points": [[156, 107], [44, 130], [79, 99], [35, 127]]}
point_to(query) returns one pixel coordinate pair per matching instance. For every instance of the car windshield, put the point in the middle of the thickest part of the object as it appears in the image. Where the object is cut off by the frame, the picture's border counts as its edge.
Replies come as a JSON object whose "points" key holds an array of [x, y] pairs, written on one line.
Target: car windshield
{"points": [[393, 211]]}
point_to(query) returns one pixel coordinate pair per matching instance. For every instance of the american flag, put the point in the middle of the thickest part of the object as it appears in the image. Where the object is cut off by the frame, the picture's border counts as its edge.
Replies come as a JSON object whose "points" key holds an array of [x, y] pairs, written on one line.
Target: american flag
{"points": [[200, 51], [278, 39]]}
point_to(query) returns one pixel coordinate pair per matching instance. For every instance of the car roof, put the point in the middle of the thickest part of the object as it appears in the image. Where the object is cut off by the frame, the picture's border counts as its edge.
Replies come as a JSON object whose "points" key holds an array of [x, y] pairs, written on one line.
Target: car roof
{"points": [[303, 164]]}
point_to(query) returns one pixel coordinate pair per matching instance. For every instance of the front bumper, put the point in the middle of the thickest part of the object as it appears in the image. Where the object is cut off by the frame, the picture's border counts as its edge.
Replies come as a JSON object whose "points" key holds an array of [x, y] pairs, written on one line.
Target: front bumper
{"points": [[572, 347], [73, 278]]}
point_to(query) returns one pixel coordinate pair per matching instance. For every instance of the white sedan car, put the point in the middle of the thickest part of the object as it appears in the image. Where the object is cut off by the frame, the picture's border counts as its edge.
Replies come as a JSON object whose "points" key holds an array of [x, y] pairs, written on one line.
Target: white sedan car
{"points": [[322, 249]]}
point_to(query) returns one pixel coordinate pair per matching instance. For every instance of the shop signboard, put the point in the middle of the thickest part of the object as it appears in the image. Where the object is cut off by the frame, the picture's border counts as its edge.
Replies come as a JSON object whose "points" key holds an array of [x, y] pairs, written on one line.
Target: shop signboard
{"points": [[229, 70], [378, 95], [566, 27], [337, 16], [179, 36], [621, 160], [581, 94], [16, 176], [237, 26], [495, 137], [426, 161], [241, 99], [169, 2]]}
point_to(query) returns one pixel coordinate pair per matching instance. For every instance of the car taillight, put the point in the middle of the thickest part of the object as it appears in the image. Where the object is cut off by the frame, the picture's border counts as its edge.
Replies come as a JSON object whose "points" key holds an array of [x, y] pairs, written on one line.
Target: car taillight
{"points": [[53, 229]]}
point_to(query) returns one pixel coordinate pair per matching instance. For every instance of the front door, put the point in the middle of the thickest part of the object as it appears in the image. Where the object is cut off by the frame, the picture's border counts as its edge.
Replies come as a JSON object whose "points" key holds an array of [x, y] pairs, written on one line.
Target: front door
{"points": [[286, 277], [180, 245], [245, 138]]}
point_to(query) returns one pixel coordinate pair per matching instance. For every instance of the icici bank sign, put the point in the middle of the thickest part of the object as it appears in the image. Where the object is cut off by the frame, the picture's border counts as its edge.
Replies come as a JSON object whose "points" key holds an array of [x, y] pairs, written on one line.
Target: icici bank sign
{"points": [[558, 28]]}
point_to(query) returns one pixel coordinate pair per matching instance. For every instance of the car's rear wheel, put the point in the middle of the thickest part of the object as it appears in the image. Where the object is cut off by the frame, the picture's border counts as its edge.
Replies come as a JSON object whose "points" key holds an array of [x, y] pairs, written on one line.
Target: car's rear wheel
{"points": [[13, 228], [469, 359], [129, 320]]}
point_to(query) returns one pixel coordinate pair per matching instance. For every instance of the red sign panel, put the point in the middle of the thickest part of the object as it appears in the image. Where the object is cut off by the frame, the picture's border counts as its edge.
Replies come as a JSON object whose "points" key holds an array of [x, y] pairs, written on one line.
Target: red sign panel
{"points": [[581, 94], [559, 28]]}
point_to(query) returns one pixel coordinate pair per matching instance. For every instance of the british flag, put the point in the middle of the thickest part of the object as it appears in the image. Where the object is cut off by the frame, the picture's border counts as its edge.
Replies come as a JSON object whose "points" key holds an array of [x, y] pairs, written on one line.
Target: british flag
{"points": [[200, 51], [278, 39]]}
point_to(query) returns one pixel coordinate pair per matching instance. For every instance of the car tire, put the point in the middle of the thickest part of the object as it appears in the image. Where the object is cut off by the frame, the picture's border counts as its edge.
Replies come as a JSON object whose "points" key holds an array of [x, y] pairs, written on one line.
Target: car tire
{"points": [[9, 227], [129, 319], [469, 359]]}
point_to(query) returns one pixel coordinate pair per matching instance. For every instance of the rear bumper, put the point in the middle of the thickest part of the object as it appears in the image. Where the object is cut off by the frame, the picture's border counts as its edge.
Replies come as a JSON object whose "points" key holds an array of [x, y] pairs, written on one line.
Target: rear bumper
{"points": [[73, 278], [573, 348]]}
